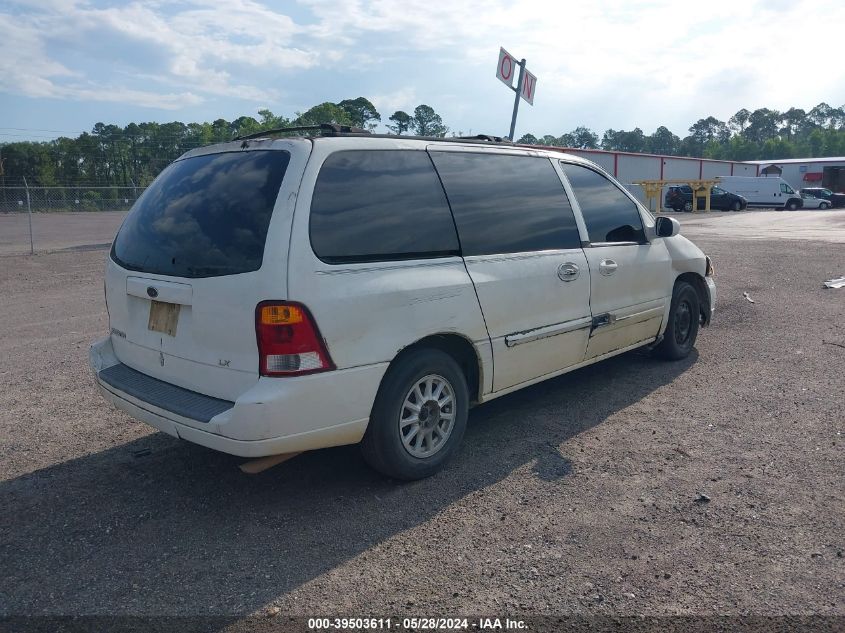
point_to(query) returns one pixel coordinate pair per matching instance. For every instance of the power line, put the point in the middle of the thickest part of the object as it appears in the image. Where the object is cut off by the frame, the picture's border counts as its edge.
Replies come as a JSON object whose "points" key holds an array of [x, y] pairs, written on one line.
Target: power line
{"points": [[34, 129]]}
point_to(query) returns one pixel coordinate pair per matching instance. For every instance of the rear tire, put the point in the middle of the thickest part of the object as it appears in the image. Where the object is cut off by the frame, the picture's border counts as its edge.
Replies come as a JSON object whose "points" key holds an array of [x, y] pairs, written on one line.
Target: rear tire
{"points": [[684, 320], [419, 416]]}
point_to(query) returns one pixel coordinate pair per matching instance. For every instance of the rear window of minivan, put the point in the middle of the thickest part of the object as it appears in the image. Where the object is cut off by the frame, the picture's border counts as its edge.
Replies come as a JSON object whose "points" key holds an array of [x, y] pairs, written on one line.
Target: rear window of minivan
{"points": [[204, 216]]}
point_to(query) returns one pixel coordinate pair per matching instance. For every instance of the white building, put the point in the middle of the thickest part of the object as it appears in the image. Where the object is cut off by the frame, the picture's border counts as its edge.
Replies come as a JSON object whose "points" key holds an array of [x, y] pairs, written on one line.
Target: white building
{"points": [[806, 172], [629, 168]]}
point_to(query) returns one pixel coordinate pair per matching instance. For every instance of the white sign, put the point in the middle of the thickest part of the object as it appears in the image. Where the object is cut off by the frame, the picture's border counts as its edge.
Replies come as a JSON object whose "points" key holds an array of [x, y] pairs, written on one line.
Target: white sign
{"points": [[529, 83], [507, 68]]}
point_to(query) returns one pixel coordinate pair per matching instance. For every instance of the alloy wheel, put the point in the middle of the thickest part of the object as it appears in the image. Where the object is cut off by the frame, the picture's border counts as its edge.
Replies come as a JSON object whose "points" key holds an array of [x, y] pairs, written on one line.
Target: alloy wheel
{"points": [[427, 416]]}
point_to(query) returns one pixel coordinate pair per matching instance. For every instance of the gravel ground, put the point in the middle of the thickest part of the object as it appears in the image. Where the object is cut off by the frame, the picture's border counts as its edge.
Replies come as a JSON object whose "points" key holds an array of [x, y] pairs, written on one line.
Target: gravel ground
{"points": [[578, 496]]}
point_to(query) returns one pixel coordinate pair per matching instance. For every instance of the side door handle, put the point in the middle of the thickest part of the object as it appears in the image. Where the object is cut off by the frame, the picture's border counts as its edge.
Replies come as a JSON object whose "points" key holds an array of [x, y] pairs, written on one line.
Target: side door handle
{"points": [[568, 271], [607, 267]]}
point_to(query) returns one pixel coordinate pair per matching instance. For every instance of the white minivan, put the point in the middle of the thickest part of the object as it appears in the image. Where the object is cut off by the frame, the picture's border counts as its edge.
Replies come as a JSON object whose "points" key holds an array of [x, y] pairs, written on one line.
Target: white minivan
{"points": [[763, 191], [276, 295]]}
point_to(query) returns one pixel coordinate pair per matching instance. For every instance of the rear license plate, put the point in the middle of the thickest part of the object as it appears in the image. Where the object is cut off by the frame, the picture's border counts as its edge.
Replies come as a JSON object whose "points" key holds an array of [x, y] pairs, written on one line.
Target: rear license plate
{"points": [[164, 317]]}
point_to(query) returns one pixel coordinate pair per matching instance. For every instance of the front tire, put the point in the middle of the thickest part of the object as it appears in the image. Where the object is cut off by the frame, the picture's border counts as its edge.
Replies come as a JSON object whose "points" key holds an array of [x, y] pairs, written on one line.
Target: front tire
{"points": [[688, 206], [736, 206], [792, 205], [419, 416], [684, 320], [823, 206]]}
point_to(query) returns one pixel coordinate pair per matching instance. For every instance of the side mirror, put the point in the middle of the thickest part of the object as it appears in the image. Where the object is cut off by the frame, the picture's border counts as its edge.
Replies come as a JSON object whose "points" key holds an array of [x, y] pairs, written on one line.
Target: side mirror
{"points": [[666, 227]]}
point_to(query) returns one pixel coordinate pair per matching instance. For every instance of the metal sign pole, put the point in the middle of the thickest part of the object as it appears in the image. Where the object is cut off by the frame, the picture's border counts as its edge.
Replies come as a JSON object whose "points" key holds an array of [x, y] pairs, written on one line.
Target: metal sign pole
{"points": [[29, 209], [518, 93]]}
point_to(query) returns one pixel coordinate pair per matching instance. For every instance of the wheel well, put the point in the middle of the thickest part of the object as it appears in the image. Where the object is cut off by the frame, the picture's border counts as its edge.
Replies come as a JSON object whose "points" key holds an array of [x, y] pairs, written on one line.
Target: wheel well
{"points": [[458, 348], [697, 282]]}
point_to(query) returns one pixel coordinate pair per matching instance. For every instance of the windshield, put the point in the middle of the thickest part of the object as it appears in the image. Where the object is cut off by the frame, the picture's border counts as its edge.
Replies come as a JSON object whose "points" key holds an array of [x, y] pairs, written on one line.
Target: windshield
{"points": [[204, 216]]}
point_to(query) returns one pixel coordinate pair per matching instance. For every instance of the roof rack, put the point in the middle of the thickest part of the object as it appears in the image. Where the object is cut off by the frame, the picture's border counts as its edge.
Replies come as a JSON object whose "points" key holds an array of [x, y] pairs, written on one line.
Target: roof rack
{"points": [[333, 129], [327, 129], [477, 138], [485, 137]]}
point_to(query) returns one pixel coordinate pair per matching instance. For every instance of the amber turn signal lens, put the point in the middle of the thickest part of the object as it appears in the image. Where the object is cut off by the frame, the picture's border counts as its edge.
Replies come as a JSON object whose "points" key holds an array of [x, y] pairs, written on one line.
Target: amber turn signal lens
{"points": [[280, 315]]}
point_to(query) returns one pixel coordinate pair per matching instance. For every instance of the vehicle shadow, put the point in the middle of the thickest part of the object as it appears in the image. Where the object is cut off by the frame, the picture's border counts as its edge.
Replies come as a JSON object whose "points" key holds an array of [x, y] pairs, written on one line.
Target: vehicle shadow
{"points": [[162, 527]]}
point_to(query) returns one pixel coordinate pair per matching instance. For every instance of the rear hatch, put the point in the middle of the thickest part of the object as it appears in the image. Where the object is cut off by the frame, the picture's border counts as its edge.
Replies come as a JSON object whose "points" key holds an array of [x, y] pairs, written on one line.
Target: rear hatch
{"points": [[205, 243]]}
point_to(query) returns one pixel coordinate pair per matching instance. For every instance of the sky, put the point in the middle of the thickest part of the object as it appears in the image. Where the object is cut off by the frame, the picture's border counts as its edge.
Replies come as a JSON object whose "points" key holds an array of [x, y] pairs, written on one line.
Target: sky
{"points": [[67, 64]]}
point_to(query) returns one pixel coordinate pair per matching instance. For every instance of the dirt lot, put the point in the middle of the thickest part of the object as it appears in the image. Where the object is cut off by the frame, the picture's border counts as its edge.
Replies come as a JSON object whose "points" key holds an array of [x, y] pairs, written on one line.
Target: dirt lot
{"points": [[576, 496]]}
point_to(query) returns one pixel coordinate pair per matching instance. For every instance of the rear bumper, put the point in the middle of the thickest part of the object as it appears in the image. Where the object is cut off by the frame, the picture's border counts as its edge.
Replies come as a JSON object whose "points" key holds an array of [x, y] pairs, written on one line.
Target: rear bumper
{"points": [[277, 415]]}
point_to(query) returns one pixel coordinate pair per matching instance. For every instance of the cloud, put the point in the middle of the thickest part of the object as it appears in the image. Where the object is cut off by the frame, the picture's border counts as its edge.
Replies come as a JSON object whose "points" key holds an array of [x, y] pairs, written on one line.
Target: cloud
{"points": [[608, 63], [628, 63], [404, 98], [24, 58], [203, 47], [147, 99], [29, 70]]}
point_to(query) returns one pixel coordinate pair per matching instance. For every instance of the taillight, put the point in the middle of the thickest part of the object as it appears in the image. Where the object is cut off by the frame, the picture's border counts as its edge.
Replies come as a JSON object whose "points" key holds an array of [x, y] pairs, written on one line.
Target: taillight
{"points": [[289, 343]]}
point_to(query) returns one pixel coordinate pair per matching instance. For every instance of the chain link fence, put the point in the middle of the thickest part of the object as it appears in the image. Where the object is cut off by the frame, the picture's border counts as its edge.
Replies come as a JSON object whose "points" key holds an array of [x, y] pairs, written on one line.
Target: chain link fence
{"points": [[65, 199], [39, 219]]}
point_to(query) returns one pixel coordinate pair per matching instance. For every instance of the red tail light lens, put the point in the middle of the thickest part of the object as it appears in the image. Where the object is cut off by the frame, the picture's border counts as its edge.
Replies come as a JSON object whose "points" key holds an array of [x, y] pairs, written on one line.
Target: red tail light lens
{"points": [[289, 343]]}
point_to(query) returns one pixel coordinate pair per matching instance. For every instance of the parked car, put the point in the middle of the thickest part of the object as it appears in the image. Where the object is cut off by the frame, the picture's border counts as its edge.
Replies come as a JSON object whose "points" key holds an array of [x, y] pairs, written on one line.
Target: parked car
{"points": [[836, 199], [811, 202], [817, 192], [679, 198], [763, 191], [275, 295]]}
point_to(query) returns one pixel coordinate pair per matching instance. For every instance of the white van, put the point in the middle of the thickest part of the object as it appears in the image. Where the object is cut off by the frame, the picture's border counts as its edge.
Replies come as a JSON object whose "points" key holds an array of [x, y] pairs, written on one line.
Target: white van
{"points": [[276, 295], [763, 191]]}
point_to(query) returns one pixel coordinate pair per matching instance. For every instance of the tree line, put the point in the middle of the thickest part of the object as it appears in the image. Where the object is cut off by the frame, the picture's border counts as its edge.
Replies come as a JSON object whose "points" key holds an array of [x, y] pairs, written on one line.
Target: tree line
{"points": [[133, 155], [763, 134]]}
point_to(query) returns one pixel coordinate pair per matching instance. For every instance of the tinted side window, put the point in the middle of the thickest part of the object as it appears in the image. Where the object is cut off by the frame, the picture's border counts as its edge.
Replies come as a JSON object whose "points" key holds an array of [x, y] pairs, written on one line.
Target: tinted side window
{"points": [[507, 204], [380, 205], [785, 188], [610, 215], [204, 216]]}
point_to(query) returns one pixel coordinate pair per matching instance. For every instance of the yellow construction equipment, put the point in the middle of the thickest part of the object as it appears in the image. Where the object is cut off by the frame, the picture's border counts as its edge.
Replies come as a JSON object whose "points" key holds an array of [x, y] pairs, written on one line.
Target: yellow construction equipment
{"points": [[700, 189]]}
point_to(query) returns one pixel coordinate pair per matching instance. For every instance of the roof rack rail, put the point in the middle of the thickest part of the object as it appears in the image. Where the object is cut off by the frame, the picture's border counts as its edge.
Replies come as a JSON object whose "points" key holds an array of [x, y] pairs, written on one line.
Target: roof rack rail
{"points": [[327, 129], [486, 137]]}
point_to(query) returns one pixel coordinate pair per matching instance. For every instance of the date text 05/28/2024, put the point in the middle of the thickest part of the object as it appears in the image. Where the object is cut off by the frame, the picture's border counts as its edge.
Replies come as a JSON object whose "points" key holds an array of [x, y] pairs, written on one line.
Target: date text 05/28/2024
{"points": [[417, 624]]}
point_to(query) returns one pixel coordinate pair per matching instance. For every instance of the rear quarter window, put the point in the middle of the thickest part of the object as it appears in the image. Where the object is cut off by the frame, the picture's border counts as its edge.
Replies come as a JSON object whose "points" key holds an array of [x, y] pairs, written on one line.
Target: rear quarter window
{"points": [[380, 205], [204, 216]]}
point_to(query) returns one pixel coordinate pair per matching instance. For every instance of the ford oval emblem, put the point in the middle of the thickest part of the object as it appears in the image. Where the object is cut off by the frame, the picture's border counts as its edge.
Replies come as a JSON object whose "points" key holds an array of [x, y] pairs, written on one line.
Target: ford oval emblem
{"points": [[152, 292]]}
